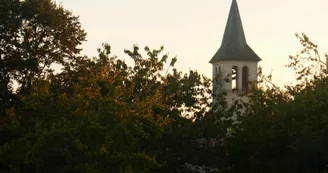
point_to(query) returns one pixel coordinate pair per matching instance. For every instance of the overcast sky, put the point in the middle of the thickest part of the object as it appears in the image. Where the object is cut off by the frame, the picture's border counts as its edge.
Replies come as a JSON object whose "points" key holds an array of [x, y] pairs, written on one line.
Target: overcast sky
{"points": [[192, 30]]}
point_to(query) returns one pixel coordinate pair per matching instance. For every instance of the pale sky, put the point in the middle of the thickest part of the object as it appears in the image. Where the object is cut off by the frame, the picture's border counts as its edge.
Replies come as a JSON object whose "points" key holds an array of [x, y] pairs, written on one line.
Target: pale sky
{"points": [[192, 30]]}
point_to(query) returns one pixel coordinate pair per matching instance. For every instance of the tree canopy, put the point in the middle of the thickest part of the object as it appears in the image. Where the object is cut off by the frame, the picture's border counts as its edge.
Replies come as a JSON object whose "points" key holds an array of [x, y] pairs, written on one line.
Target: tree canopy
{"points": [[101, 114]]}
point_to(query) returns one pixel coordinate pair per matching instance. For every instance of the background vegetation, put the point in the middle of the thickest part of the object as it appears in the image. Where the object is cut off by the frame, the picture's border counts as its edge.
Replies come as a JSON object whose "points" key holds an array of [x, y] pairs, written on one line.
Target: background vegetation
{"points": [[100, 114]]}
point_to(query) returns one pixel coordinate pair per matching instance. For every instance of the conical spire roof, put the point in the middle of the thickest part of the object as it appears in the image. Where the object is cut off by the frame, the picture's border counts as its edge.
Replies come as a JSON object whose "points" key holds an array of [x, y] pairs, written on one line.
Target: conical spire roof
{"points": [[234, 45]]}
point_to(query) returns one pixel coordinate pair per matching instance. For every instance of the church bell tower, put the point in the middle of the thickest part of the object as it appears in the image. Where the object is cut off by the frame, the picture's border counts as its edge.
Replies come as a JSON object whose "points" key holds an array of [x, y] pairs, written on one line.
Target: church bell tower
{"points": [[235, 63]]}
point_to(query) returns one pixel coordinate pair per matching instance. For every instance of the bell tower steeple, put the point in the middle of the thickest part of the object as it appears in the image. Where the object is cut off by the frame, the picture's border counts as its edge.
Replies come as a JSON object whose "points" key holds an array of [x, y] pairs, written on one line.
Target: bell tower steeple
{"points": [[235, 60]]}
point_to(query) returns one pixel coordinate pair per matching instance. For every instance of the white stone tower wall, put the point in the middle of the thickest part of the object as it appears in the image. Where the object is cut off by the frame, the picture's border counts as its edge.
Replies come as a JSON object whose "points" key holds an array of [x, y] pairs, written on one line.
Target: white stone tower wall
{"points": [[226, 70]]}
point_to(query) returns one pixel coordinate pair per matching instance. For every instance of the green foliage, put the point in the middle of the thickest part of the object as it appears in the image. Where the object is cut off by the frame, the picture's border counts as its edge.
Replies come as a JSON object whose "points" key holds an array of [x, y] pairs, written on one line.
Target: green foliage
{"points": [[34, 34], [285, 130], [101, 114]]}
